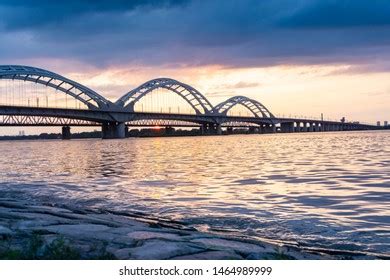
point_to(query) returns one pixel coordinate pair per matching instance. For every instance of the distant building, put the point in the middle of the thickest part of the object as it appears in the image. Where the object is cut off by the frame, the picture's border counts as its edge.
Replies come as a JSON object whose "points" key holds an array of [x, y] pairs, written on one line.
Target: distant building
{"points": [[386, 123], [378, 123]]}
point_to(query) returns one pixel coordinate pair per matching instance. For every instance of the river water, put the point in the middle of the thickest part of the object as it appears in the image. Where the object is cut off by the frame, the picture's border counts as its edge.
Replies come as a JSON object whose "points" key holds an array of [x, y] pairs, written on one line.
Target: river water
{"points": [[319, 190]]}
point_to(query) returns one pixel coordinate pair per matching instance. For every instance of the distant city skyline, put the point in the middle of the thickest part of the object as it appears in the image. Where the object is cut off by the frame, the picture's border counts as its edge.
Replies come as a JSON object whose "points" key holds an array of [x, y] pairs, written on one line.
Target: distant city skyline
{"points": [[296, 57]]}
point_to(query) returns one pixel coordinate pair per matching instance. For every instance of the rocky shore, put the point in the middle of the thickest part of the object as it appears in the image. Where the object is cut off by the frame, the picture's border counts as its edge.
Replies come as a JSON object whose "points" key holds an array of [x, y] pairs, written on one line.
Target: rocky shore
{"points": [[50, 232]]}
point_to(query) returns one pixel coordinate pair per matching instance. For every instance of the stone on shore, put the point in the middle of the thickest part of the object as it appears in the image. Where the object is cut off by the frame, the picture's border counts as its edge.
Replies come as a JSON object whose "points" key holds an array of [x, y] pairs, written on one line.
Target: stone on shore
{"points": [[211, 255], [159, 250], [5, 231], [143, 235], [219, 243], [93, 234]]}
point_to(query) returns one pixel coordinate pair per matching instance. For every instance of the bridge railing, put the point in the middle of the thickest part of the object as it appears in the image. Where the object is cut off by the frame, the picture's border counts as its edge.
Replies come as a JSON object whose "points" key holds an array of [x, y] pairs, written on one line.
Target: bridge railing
{"points": [[319, 118]]}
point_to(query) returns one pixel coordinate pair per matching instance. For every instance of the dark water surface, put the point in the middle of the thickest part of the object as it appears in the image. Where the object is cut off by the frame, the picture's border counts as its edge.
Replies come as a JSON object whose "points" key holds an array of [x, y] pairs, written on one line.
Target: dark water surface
{"points": [[325, 190]]}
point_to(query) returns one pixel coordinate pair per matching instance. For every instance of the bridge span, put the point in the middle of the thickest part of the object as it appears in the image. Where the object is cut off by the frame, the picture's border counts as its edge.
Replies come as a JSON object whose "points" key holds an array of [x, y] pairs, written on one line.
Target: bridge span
{"points": [[37, 97]]}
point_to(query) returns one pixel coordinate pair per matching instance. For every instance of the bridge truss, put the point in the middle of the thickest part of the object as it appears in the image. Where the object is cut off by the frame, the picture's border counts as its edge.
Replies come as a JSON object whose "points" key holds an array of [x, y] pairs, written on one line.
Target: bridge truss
{"points": [[14, 120]]}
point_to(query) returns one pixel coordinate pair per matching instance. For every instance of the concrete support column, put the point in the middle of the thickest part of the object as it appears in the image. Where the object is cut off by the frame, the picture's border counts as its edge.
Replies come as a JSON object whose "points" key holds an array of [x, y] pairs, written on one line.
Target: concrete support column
{"points": [[320, 126], [298, 127], [284, 127], [218, 129], [202, 129], [212, 129], [206, 129], [252, 130], [310, 128], [113, 130], [304, 128], [169, 130], [287, 127], [66, 135], [269, 128]]}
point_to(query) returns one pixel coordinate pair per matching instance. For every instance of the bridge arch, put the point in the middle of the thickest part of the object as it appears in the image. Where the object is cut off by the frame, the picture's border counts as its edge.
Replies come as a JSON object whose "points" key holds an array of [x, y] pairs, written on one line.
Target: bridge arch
{"points": [[193, 97], [49, 79], [257, 109]]}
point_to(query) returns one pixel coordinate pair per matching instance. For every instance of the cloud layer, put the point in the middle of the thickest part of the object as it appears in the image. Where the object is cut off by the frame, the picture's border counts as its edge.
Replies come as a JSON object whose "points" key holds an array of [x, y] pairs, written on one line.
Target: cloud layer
{"points": [[231, 33]]}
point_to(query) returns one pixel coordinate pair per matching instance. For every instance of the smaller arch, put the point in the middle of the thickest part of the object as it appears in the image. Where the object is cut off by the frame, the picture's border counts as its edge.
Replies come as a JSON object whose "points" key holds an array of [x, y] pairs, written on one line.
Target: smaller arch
{"points": [[193, 97], [258, 109]]}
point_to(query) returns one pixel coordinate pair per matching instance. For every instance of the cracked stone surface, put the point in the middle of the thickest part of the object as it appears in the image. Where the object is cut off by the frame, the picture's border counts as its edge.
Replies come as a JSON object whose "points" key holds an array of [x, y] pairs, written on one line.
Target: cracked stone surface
{"points": [[97, 233]]}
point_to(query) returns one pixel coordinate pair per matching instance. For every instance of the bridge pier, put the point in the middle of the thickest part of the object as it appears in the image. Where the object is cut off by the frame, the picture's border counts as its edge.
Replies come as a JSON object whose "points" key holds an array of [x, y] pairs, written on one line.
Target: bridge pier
{"points": [[218, 129], [113, 130], [298, 127], [273, 128], [202, 130], [320, 127], [261, 128], [66, 135], [325, 127], [269, 128], [315, 127], [169, 130], [211, 129], [287, 127], [304, 128], [253, 130]]}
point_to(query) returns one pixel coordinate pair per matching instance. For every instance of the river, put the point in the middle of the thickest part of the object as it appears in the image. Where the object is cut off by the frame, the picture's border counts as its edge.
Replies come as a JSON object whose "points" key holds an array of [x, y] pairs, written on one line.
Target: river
{"points": [[318, 190]]}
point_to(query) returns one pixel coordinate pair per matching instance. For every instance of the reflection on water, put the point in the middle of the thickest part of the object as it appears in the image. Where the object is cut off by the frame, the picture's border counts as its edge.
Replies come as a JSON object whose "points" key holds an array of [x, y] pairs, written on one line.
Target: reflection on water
{"points": [[328, 190]]}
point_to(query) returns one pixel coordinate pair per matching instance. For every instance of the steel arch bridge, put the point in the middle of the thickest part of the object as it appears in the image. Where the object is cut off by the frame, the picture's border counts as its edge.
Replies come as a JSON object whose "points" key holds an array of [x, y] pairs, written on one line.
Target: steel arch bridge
{"points": [[115, 116]]}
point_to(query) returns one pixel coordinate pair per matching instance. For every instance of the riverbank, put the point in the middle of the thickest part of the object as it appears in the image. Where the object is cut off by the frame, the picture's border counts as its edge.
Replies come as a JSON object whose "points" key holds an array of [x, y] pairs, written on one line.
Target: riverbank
{"points": [[52, 232]]}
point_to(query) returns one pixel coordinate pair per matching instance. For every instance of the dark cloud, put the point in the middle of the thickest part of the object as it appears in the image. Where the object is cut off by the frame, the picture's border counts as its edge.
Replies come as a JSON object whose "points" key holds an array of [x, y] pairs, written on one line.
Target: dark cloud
{"points": [[30, 14], [232, 33], [340, 14]]}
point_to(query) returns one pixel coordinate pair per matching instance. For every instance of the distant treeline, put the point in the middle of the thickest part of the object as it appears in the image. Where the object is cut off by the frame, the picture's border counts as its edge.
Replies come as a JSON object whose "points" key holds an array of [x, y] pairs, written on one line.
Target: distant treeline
{"points": [[94, 134], [145, 132]]}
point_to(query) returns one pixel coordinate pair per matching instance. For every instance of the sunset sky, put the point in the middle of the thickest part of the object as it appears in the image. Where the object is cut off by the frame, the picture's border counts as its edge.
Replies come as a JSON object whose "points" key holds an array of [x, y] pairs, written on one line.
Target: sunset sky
{"points": [[301, 57]]}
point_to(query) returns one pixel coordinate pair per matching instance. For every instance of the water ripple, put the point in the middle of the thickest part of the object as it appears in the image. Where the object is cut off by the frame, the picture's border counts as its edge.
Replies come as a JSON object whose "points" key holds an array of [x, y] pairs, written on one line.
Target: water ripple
{"points": [[328, 190]]}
